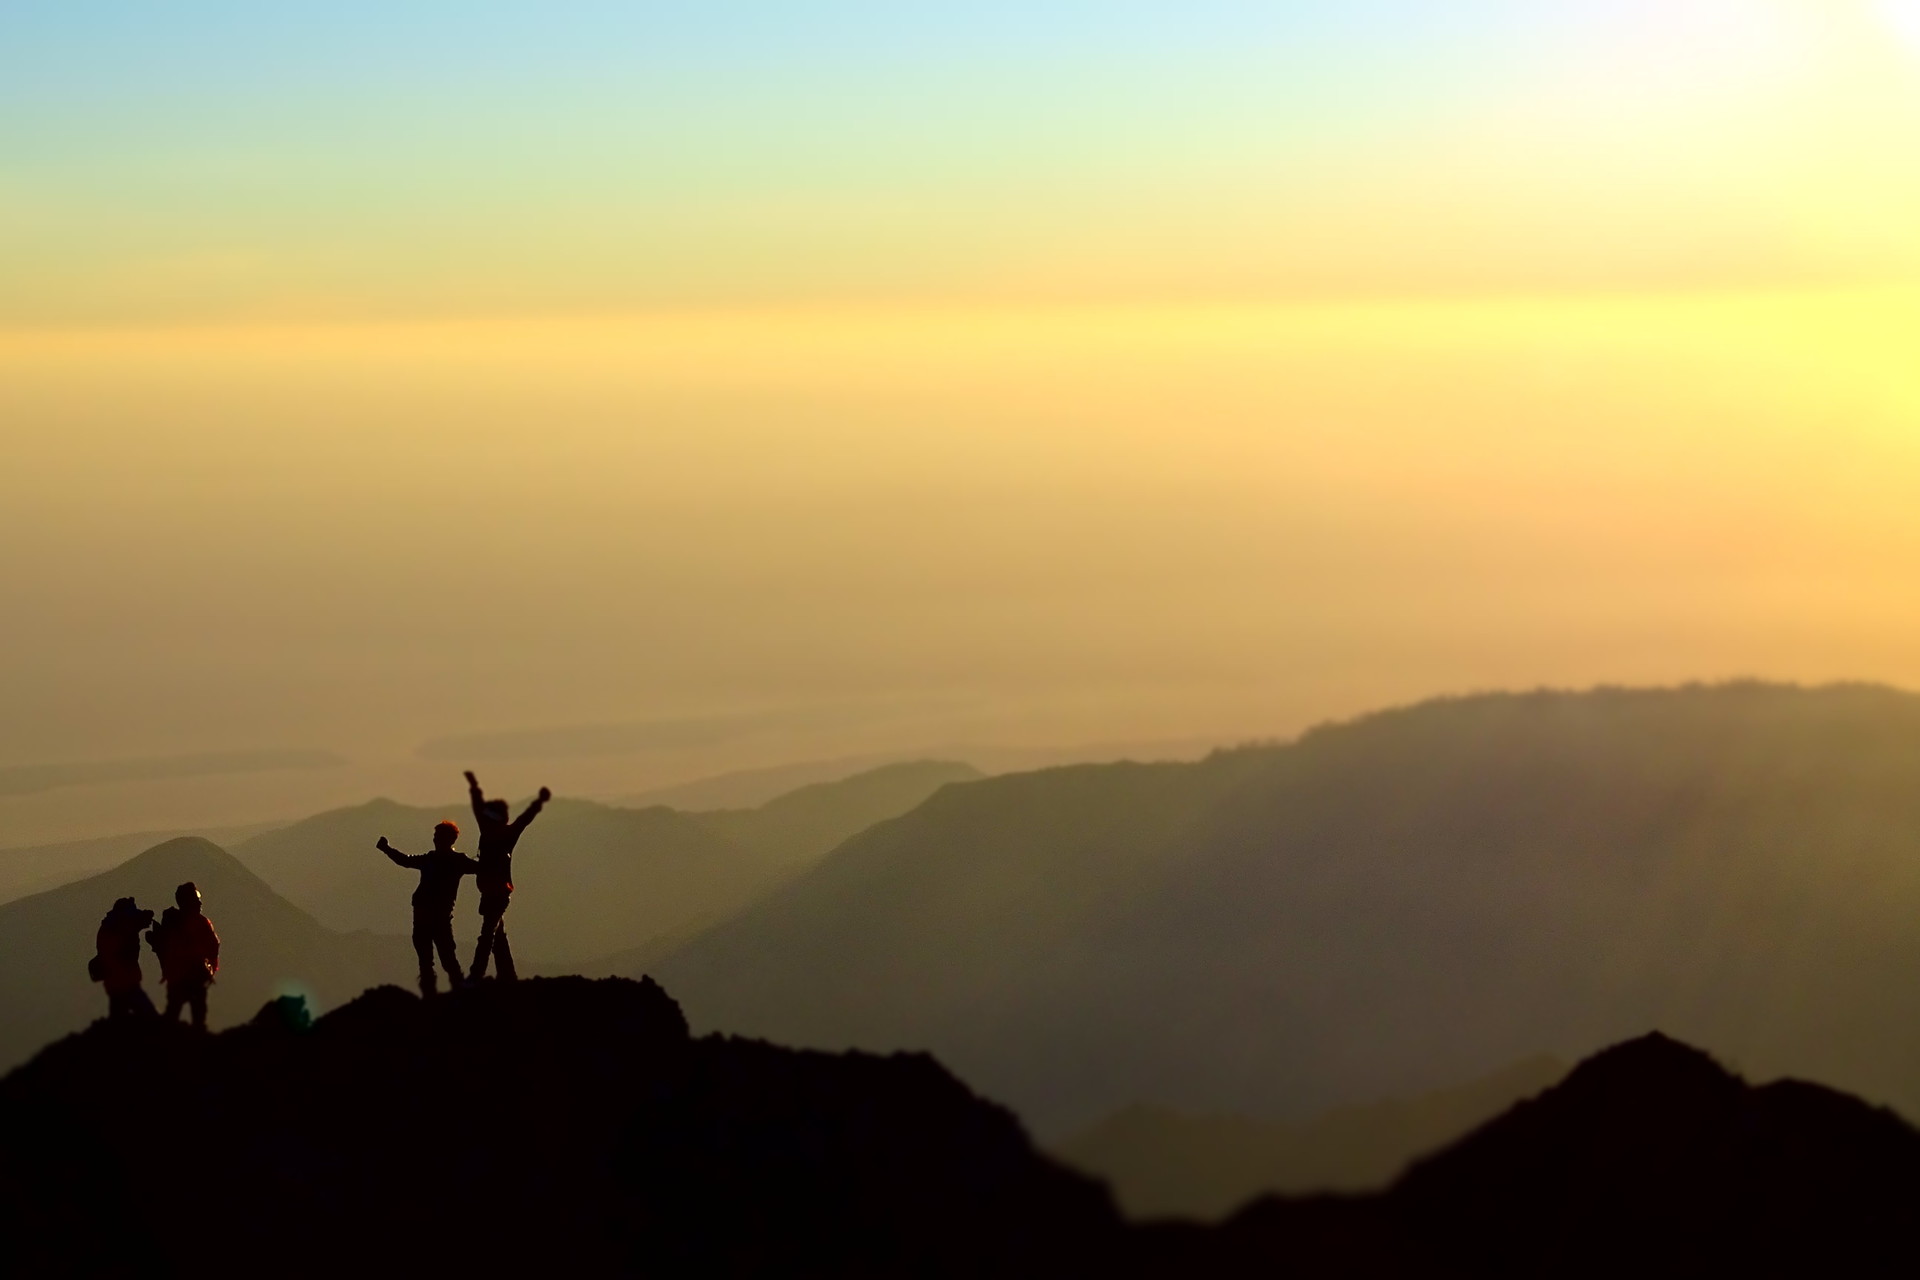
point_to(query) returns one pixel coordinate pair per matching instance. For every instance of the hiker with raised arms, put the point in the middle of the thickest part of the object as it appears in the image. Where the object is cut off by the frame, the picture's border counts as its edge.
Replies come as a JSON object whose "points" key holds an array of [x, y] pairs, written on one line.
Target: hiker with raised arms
{"points": [[495, 878], [440, 870]]}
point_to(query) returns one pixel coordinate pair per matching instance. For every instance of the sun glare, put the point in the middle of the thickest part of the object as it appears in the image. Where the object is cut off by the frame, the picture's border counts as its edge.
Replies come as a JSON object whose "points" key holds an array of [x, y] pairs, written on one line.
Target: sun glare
{"points": [[1904, 17]]}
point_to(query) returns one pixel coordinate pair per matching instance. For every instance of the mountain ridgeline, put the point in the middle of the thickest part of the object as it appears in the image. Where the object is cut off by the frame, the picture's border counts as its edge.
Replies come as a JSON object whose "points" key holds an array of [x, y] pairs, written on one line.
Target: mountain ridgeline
{"points": [[627, 882], [597, 880], [1383, 908]]}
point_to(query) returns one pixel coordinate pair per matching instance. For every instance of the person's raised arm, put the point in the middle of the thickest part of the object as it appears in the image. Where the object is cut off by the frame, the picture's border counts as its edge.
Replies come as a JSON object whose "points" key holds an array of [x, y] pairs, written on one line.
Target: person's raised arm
{"points": [[533, 810], [478, 797], [399, 859]]}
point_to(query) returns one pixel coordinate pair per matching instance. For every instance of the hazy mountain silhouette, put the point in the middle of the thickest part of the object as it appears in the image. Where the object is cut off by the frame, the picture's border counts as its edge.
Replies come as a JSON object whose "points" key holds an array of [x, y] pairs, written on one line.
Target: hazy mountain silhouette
{"points": [[507, 1129], [1166, 1163], [748, 788], [802, 825], [593, 880], [269, 945], [1382, 908], [32, 868]]}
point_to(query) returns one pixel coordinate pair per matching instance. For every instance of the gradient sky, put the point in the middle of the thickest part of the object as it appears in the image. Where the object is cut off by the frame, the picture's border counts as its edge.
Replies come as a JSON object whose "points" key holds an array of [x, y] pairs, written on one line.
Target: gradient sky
{"points": [[211, 161], [913, 375]]}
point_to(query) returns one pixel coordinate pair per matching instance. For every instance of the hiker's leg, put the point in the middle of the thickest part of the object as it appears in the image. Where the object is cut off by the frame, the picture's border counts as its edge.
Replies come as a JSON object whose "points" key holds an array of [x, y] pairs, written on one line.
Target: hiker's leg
{"points": [[423, 948], [488, 923], [503, 951], [176, 993], [449, 955], [197, 1002]]}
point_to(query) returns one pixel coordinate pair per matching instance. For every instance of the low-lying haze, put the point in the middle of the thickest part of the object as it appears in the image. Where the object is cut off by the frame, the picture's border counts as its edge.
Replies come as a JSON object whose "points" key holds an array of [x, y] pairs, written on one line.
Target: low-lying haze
{"points": [[783, 537]]}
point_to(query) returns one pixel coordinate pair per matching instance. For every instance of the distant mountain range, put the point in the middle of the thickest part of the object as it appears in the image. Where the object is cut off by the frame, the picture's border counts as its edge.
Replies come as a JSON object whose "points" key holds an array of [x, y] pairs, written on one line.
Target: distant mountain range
{"points": [[1386, 907], [593, 880], [750, 788], [602, 887], [1383, 909], [31, 869]]}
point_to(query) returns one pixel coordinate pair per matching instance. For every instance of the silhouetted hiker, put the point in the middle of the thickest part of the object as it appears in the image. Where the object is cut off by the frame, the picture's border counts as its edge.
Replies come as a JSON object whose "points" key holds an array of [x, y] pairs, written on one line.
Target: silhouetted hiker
{"points": [[116, 960], [495, 878], [189, 952], [440, 871]]}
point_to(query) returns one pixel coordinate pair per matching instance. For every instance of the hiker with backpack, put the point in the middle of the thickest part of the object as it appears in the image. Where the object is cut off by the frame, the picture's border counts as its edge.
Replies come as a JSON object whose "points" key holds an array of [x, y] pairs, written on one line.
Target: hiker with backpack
{"points": [[189, 952], [116, 961]]}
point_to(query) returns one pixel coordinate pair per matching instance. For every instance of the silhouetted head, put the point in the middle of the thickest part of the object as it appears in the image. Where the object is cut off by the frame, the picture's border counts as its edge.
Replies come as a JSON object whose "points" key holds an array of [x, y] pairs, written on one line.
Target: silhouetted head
{"points": [[497, 810], [445, 834], [187, 896]]}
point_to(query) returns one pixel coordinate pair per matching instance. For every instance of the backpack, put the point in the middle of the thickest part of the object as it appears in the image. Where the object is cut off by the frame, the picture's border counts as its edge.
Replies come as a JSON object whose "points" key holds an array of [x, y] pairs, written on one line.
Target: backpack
{"points": [[160, 937]]}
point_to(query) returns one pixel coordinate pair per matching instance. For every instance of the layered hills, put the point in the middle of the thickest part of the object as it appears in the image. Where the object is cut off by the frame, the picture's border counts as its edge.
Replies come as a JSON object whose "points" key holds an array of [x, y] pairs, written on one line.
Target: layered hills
{"points": [[596, 880], [268, 946], [1382, 908], [1165, 1163], [33, 868], [513, 1129]]}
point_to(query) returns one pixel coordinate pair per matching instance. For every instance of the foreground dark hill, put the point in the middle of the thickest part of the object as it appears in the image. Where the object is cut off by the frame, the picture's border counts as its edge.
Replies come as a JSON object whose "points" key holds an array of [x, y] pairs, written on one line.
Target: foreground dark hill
{"points": [[518, 1129], [1384, 908], [572, 1126], [1649, 1160], [1165, 1163], [267, 945], [596, 880]]}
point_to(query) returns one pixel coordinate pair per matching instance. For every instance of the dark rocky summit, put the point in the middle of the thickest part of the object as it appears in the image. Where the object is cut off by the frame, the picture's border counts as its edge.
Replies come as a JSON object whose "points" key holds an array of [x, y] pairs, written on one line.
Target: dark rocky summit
{"points": [[552, 1125], [572, 1126]]}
